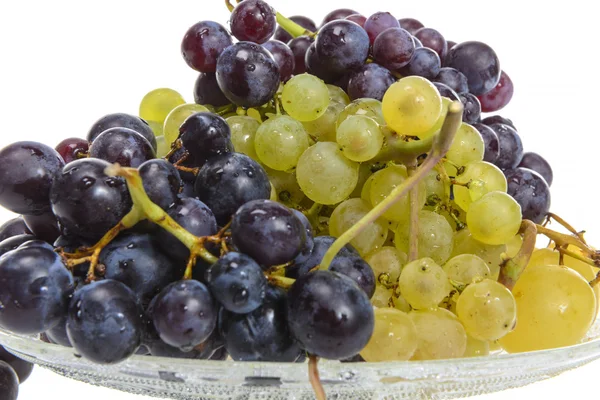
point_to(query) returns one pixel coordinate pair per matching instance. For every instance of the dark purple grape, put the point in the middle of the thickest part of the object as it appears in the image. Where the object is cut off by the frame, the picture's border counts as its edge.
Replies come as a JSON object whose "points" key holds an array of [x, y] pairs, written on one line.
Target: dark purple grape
{"points": [[342, 46], [227, 182], [511, 147], [122, 145], [35, 287], [121, 120], [43, 226], [338, 14], [472, 108], [14, 242], [497, 119], [207, 91], [330, 315], [306, 23], [499, 96], [72, 149], [370, 81], [21, 367], [58, 334], [253, 21], [263, 334], [478, 62], [320, 246], [316, 67], [237, 282], [418, 43], [9, 382], [357, 269], [247, 74], [379, 22], [451, 44], [105, 322], [309, 244], [454, 79], [87, 202], [357, 18], [410, 24], [205, 135], [433, 40], [268, 232], [162, 182], [13, 227], [27, 170], [531, 191], [202, 45], [36, 243], [490, 140], [425, 62], [284, 57], [394, 48], [299, 47], [538, 164], [445, 91]]}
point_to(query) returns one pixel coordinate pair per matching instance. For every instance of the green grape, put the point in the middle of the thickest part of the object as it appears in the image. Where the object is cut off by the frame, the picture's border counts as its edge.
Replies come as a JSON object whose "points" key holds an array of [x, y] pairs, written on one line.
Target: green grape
{"points": [[394, 337], [400, 303], [365, 192], [162, 148], [381, 297], [286, 187], [467, 146], [347, 214], [323, 128], [441, 335], [337, 95], [495, 218], [412, 106], [156, 128], [364, 172], [279, 142], [555, 308], [177, 117], [487, 310], [360, 138], [465, 243], [386, 180], [386, 261], [325, 175], [513, 246], [440, 122], [423, 283], [305, 97], [434, 237], [464, 268], [482, 178], [243, 130], [434, 186], [476, 348], [368, 107], [158, 103]]}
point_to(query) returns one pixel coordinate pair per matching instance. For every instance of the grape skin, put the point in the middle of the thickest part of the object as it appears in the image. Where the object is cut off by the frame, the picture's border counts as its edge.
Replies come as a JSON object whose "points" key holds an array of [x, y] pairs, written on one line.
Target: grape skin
{"points": [[360, 138], [9, 382], [434, 237], [382, 184], [394, 337], [465, 243], [122, 120], [387, 260], [464, 268], [243, 131], [123, 146], [494, 219], [305, 97], [158, 103], [423, 283], [13, 227], [479, 172], [441, 336], [467, 146], [279, 142], [177, 117]]}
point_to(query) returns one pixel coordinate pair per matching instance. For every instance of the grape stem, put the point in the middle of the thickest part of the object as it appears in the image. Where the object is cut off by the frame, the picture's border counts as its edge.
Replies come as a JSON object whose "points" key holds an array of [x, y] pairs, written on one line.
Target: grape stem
{"points": [[401, 148], [313, 377], [413, 229], [511, 269], [563, 241], [280, 281], [551, 216], [230, 6], [441, 144], [293, 28]]}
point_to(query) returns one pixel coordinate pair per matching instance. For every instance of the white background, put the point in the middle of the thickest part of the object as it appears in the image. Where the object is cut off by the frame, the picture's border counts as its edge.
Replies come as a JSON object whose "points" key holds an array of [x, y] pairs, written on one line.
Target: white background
{"points": [[63, 64]]}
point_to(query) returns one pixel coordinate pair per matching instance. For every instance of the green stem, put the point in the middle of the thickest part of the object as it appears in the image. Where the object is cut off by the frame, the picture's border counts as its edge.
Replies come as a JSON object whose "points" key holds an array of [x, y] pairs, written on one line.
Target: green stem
{"points": [[399, 148], [229, 6], [293, 28], [511, 269], [413, 228]]}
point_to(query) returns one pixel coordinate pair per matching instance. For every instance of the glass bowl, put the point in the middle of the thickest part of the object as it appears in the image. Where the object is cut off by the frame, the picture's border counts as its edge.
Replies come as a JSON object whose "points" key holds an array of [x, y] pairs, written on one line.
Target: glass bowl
{"points": [[220, 380]]}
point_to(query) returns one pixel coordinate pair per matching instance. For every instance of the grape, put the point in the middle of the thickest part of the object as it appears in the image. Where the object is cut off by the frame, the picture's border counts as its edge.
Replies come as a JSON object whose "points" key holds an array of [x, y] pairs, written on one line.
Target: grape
{"points": [[123, 146], [360, 138], [43, 226], [358, 19], [162, 182], [394, 48], [394, 337], [87, 202], [299, 47], [337, 14], [342, 45], [476, 348], [454, 79], [284, 57], [248, 74], [379, 22], [13, 242], [440, 122], [465, 243], [472, 107], [157, 129], [538, 164], [177, 117], [286, 186], [424, 62], [364, 173], [495, 218], [371, 108], [434, 237], [464, 268], [423, 283], [497, 98], [410, 24], [305, 97], [357, 269], [381, 297], [482, 178], [497, 119], [323, 129], [121, 120], [243, 131], [204, 351], [309, 244], [318, 67], [205, 135], [158, 103], [434, 40], [253, 21], [22, 368], [207, 91], [412, 105], [72, 149], [320, 246], [445, 91], [280, 141], [237, 282], [386, 180], [9, 382], [365, 192], [337, 94], [511, 147], [555, 308], [329, 315], [202, 45], [467, 146], [490, 141], [531, 191], [370, 81], [440, 334], [387, 260], [58, 334], [478, 62], [307, 23], [13, 227]]}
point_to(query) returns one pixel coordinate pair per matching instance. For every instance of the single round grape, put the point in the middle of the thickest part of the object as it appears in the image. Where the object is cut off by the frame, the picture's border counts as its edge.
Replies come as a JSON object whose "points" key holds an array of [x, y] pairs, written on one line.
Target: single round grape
{"points": [[156, 128], [177, 117], [478, 62], [158, 103], [243, 132], [424, 62], [337, 94], [497, 98], [208, 92], [434, 40], [423, 283], [381, 297], [446, 91], [284, 57], [162, 182], [497, 119], [9, 382], [286, 187], [472, 108], [360, 138], [280, 141], [323, 129], [410, 24], [305, 22], [205, 135], [72, 149], [440, 122], [531, 191], [305, 97], [202, 45], [342, 45], [412, 105], [454, 79], [371, 108], [441, 335], [394, 337], [338, 14], [44, 226], [537, 163], [121, 120], [394, 48], [387, 260], [299, 47], [511, 147], [482, 178], [22, 368], [357, 269], [476, 348], [467, 146], [434, 237], [13, 227], [370, 81], [495, 218], [123, 146], [434, 186], [464, 268], [465, 243], [490, 141], [378, 23], [253, 21], [325, 175]]}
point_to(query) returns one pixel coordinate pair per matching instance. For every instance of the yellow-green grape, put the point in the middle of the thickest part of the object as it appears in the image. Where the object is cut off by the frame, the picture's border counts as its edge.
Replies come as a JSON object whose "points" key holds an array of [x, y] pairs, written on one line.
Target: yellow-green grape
{"points": [[465, 243], [464, 268], [177, 117], [495, 346], [386, 261], [157, 104], [162, 148], [364, 172], [286, 186], [482, 178], [337, 95], [305, 97], [156, 128], [440, 334], [412, 106], [434, 186], [365, 192], [400, 303], [360, 138], [368, 107], [381, 297], [423, 283], [476, 348], [386, 180], [273, 195], [440, 121], [495, 218], [555, 308], [467, 146], [394, 337], [347, 214], [243, 130], [279, 142], [514, 245], [325, 175], [434, 236], [323, 128], [487, 310]]}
